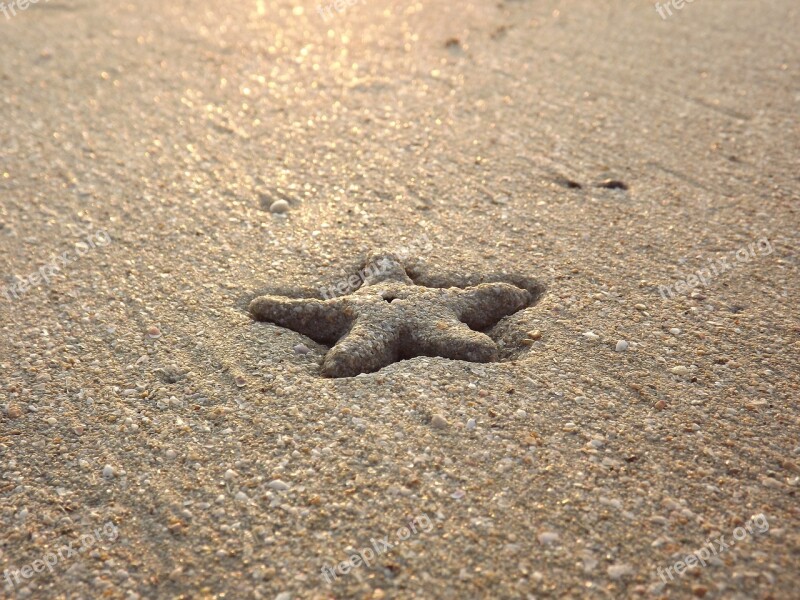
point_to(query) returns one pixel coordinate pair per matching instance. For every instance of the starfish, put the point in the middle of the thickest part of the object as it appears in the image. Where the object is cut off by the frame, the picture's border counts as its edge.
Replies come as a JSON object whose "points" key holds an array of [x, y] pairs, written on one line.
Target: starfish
{"points": [[389, 318]]}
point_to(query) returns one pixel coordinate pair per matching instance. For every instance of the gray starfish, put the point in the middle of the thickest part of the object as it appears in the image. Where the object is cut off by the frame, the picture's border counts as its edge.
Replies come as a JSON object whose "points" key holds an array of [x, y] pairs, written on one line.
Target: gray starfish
{"points": [[389, 318]]}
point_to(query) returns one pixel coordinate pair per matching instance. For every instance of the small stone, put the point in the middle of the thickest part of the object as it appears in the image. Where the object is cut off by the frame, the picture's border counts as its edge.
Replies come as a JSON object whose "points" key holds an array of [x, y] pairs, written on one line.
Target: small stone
{"points": [[547, 537], [278, 485], [153, 332], [171, 454], [675, 331], [279, 207], [230, 475], [535, 334], [439, 422], [170, 374], [13, 411], [619, 571], [679, 370], [241, 497], [521, 414], [771, 483], [622, 346], [301, 349], [591, 336], [240, 381], [284, 596], [108, 471], [640, 307], [471, 424], [660, 405], [613, 184]]}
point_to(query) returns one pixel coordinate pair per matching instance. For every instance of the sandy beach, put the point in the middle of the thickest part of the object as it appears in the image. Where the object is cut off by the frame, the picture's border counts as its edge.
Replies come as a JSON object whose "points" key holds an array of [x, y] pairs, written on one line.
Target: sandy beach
{"points": [[613, 415]]}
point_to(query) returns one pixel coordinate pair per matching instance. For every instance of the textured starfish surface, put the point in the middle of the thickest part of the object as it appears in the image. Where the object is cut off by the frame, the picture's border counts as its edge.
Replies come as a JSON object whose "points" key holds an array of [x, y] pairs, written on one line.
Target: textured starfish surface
{"points": [[389, 318]]}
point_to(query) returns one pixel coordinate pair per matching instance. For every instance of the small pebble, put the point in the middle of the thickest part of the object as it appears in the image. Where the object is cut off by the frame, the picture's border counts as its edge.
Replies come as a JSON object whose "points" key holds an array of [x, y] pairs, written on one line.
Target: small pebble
{"points": [[471, 424], [547, 537], [171, 454], [108, 471], [679, 370], [153, 332], [591, 335], [613, 184], [301, 349], [675, 331], [521, 414], [279, 485], [640, 307], [241, 497], [279, 207], [619, 571], [439, 422], [660, 405], [14, 411], [622, 346], [535, 334], [230, 475]]}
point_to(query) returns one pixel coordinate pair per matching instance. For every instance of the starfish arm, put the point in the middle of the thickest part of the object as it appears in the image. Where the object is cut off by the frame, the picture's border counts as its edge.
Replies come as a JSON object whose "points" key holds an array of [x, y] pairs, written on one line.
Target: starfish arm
{"points": [[484, 305], [324, 321], [450, 339], [367, 347]]}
